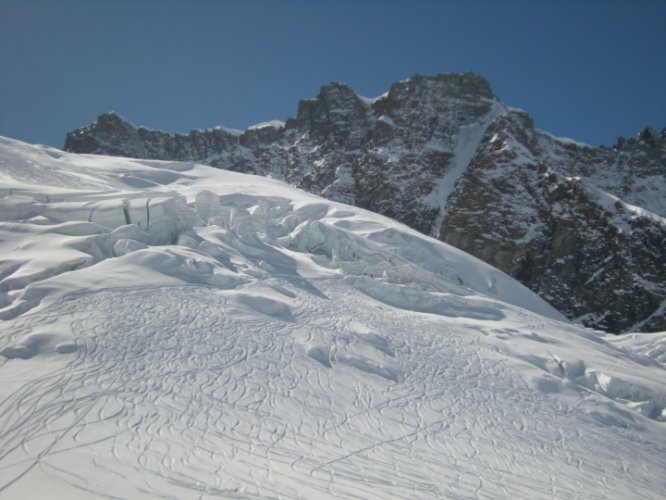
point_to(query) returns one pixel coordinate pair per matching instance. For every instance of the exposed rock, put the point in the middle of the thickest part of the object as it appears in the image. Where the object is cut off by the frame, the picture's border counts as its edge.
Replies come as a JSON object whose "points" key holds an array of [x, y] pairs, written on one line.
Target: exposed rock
{"points": [[443, 155], [591, 255], [111, 134]]}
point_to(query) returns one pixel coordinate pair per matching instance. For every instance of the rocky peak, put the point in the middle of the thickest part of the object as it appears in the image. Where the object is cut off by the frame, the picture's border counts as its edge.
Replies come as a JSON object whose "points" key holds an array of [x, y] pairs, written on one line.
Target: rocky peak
{"points": [[334, 114], [650, 137], [438, 92], [113, 121], [449, 85], [109, 134], [434, 107]]}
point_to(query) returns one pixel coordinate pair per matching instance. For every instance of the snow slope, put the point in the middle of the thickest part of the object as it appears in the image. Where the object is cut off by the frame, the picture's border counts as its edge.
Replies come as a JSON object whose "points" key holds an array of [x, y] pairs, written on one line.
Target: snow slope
{"points": [[170, 330]]}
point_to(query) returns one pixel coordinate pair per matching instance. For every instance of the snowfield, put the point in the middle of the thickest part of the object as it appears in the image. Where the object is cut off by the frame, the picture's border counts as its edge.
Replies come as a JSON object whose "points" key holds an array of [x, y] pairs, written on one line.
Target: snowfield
{"points": [[171, 330]]}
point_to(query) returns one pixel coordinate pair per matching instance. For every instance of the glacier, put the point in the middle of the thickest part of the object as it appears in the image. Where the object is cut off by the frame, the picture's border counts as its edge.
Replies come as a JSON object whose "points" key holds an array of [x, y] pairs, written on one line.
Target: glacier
{"points": [[173, 330]]}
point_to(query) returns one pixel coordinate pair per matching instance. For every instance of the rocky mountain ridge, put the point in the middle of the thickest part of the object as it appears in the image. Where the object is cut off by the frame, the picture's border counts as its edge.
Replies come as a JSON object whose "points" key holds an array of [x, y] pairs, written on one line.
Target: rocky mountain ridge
{"points": [[583, 226]]}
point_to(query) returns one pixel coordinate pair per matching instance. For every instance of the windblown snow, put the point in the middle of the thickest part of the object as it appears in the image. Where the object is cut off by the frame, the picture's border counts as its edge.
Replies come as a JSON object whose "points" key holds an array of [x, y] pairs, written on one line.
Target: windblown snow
{"points": [[171, 330]]}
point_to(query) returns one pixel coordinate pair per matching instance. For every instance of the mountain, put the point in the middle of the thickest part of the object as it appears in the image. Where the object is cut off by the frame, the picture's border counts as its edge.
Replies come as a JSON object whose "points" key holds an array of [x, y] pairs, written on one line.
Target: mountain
{"points": [[584, 227], [172, 330]]}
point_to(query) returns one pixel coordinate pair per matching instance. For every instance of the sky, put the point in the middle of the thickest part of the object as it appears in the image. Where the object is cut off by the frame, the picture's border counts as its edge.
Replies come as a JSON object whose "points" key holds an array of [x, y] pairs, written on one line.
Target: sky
{"points": [[591, 70]]}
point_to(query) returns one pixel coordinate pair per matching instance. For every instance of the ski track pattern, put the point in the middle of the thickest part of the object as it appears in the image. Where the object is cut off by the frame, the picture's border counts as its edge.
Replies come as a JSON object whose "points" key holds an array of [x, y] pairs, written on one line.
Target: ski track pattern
{"points": [[192, 397]]}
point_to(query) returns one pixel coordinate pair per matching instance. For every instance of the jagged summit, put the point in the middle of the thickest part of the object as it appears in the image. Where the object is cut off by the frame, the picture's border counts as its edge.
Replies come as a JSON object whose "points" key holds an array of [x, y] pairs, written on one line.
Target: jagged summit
{"points": [[84, 140], [450, 84], [112, 117], [114, 135], [334, 113], [585, 227], [336, 109]]}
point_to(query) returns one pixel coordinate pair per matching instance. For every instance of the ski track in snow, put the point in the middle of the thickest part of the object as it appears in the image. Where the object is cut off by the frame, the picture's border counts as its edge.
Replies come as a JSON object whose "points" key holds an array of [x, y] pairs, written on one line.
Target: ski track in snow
{"points": [[184, 394], [260, 342]]}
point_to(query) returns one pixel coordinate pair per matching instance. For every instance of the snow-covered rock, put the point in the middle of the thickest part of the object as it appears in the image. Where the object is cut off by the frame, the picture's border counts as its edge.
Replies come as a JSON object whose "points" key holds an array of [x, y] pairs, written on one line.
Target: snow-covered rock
{"points": [[554, 215]]}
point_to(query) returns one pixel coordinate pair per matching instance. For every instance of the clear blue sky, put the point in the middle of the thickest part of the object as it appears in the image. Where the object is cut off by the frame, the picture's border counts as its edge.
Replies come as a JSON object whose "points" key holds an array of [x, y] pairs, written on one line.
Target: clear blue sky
{"points": [[586, 69]]}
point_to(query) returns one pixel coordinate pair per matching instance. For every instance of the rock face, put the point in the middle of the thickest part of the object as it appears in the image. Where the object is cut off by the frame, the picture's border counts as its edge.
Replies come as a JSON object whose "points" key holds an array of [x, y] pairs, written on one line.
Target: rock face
{"points": [[564, 219], [585, 227]]}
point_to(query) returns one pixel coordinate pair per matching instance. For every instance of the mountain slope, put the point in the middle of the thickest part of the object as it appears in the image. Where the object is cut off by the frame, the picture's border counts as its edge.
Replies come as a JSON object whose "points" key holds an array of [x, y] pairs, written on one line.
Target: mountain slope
{"points": [[548, 213], [171, 330], [584, 227]]}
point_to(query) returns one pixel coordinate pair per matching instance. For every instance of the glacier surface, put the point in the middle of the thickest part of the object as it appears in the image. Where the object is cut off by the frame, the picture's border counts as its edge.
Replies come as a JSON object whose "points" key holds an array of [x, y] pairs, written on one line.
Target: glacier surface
{"points": [[171, 330]]}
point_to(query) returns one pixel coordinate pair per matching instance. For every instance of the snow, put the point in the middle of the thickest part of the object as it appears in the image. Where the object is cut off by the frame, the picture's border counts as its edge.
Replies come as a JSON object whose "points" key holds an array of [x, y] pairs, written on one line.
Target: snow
{"points": [[268, 124], [565, 140], [466, 146], [386, 119], [369, 101], [171, 330], [232, 131], [612, 204], [651, 345]]}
